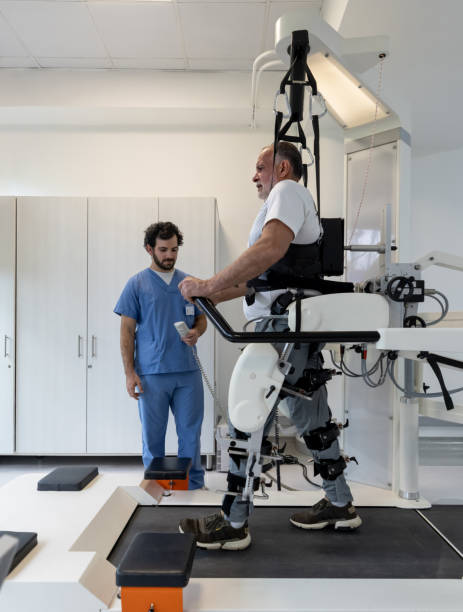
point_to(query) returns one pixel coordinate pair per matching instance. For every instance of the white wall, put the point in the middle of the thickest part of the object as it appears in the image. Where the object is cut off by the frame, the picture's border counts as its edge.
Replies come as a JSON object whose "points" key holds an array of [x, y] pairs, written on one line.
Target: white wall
{"points": [[135, 160], [437, 217], [437, 222]]}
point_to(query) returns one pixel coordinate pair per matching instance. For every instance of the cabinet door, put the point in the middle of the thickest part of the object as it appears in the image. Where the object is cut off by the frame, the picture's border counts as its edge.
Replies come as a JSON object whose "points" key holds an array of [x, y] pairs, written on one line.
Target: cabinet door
{"points": [[195, 218], [115, 253], [51, 324], [7, 323]]}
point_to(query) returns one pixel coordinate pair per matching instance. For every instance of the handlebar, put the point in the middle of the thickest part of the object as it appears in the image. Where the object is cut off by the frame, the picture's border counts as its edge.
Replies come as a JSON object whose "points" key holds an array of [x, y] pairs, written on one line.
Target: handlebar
{"points": [[274, 337]]}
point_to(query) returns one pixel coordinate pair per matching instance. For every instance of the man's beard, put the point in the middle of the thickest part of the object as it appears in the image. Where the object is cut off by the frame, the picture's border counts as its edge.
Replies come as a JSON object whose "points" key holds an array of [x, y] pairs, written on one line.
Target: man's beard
{"points": [[164, 266]]}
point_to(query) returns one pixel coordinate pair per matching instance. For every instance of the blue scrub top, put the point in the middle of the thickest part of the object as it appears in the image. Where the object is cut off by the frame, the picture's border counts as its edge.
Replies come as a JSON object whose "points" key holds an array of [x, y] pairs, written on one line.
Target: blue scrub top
{"points": [[156, 306]]}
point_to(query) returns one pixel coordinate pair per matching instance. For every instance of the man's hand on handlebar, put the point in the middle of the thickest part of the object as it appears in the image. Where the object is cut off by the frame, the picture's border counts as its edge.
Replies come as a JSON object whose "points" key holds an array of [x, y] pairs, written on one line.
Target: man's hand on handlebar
{"points": [[193, 287]]}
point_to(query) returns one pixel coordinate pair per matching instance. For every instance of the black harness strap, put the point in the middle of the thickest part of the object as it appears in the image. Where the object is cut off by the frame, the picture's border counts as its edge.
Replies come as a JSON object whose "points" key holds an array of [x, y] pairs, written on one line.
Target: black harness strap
{"points": [[434, 361], [297, 346], [280, 133], [279, 114], [316, 136]]}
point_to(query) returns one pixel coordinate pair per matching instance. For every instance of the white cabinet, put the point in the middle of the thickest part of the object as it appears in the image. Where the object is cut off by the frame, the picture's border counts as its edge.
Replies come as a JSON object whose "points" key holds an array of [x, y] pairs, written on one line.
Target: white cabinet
{"points": [[196, 219], [7, 322], [51, 325], [115, 253], [74, 258]]}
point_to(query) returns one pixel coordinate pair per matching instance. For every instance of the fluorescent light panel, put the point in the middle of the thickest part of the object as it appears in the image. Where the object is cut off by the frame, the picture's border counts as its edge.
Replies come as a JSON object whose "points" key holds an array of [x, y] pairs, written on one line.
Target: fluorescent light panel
{"points": [[346, 98]]}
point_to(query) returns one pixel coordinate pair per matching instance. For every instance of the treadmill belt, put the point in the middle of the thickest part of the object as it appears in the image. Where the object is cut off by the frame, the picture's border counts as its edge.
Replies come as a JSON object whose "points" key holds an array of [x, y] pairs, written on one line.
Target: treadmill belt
{"points": [[449, 521], [391, 543]]}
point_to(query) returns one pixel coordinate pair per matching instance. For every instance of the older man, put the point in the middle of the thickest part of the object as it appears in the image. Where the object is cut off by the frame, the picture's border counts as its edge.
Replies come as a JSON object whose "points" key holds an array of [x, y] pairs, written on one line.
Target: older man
{"points": [[283, 244]]}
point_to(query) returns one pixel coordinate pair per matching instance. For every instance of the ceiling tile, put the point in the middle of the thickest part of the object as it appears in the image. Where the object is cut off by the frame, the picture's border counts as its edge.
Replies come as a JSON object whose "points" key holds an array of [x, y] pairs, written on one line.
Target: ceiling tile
{"points": [[149, 63], [54, 29], [277, 9], [9, 43], [17, 62], [139, 29], [222, 30], [74, 62], [220, 64]]}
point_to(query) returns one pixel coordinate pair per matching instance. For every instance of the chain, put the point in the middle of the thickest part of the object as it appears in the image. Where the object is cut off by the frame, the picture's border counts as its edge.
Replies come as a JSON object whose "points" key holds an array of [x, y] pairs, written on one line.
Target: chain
{"points": [[370, 151]]}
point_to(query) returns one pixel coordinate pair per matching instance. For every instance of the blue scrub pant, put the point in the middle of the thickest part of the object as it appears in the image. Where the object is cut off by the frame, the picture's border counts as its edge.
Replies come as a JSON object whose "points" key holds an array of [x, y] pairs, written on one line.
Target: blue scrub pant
{"points": [[183, 392]]}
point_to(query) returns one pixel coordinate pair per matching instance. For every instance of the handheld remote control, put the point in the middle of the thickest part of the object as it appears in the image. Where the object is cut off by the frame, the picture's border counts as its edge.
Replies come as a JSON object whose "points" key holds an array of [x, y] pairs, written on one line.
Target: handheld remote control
{"points": [[182, 328]]}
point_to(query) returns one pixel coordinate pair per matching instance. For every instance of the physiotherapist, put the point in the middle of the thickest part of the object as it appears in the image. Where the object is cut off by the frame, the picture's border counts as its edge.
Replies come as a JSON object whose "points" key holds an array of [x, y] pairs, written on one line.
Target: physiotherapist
{"points": [[159, 366]]}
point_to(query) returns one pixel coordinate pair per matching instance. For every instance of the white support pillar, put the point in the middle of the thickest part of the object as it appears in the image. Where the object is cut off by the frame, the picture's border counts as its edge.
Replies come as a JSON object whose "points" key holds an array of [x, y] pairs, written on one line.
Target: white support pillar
{"points": [[408, 437], [408, 449]]}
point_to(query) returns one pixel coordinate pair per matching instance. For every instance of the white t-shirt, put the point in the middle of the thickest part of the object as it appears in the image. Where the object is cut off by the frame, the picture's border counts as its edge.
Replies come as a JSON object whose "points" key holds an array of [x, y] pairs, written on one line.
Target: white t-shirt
{"points": [[292, 204], [166, 276]]}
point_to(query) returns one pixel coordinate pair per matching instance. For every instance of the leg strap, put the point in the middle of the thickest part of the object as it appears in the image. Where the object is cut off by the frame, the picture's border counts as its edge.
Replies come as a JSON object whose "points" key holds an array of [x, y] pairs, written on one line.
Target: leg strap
{"points": [[330, 469], [323, 437], [236, 484]]}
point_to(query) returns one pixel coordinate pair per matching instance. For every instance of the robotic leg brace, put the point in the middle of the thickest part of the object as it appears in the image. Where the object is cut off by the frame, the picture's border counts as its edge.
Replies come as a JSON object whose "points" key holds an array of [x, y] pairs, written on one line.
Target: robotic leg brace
{"points": [[264, 376]]}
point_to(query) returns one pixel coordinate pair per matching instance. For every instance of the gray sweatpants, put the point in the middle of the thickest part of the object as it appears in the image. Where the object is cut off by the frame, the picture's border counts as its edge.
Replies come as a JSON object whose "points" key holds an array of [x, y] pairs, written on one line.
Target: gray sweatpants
{"points": [[306, 416]]}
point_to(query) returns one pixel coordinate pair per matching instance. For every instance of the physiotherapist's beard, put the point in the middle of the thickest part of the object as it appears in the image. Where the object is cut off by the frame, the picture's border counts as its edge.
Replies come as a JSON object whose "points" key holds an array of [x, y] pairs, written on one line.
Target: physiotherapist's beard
{"points": [[164, 266]]}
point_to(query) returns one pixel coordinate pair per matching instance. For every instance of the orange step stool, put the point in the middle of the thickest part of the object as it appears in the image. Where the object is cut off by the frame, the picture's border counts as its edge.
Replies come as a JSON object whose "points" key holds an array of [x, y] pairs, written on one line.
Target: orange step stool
{"points": [[154, 570], [170, 472]]}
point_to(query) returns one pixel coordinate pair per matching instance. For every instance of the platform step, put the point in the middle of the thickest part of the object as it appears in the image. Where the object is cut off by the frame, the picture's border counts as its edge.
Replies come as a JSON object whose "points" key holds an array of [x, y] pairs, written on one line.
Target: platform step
{"points": [[168, 468], [157, 560]]}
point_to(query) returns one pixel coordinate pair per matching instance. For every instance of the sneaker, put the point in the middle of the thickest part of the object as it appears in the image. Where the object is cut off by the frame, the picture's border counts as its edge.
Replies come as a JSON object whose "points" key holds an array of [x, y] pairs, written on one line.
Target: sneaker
{"points": [[325, 513], [214, 532]]}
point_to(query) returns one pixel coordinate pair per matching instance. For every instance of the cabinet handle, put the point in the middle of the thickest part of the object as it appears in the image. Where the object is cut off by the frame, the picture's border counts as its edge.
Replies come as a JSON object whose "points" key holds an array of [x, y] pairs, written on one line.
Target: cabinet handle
{"points": [[79, 341], [93, 346], [5, 341]]}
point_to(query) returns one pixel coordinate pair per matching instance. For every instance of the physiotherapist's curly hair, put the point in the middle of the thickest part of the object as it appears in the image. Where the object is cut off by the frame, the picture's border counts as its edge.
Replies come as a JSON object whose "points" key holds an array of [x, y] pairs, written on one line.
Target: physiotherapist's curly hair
{"points": [[163, 230]]}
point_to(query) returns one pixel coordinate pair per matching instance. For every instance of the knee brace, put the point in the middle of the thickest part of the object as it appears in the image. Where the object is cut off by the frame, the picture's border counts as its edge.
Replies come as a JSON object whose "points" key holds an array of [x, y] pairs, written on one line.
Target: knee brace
{"points": [[236, 484], [330, 469], [323, 437]]}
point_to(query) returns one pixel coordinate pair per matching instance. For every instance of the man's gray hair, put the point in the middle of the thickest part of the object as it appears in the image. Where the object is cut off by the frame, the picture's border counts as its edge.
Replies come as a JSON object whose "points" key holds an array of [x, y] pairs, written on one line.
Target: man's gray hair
{"points": [[286, 150]]}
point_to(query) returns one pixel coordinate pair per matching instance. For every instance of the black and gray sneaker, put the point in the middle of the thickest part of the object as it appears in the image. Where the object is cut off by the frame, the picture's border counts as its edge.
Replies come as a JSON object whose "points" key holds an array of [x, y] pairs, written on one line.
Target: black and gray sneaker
{"points": [[215, 532], [324, 513]]}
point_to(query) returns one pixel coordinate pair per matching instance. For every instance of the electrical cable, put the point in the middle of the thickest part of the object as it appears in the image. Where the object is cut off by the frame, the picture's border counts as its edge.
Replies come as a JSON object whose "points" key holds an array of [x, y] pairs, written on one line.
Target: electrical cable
{"points": [[282, 485], [365, 374], [293, 460], [416, 393], [382, 377], [208, 384], [444, 307], [350, 373]]}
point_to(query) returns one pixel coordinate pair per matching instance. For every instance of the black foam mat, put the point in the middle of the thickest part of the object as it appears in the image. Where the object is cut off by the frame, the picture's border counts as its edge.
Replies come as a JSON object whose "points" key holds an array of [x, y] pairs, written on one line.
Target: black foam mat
{"points": [[391, 543], [68, 478], [449, 521], [27, 540]]}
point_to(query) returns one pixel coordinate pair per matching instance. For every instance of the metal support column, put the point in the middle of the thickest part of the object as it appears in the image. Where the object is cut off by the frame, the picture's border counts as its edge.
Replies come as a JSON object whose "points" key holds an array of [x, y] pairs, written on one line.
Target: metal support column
{"points": [[409, 437]]}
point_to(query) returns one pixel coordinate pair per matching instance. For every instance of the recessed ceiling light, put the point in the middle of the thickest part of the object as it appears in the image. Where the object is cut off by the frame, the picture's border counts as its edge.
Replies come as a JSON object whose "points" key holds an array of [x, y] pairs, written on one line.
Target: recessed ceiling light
{"points": [[346, 97]]}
